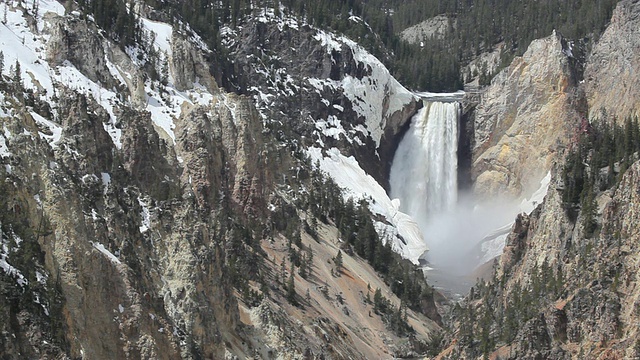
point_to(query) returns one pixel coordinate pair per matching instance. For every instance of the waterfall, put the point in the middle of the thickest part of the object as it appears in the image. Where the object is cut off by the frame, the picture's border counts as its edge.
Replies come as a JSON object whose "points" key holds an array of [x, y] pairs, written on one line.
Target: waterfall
{"points": [[424, 174]]}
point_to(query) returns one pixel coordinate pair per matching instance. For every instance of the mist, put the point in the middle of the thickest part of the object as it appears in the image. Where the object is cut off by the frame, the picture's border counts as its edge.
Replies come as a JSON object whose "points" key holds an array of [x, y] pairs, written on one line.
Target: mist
{"points": [[454, 224], [454, 237]]}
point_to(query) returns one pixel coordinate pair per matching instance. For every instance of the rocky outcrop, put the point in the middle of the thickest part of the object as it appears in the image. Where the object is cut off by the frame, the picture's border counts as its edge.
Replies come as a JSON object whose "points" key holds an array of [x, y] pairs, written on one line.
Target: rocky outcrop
{"points": [[78, 42], [524, 119], [188, 65], [435, 28], [557, 293], [613, 67]]}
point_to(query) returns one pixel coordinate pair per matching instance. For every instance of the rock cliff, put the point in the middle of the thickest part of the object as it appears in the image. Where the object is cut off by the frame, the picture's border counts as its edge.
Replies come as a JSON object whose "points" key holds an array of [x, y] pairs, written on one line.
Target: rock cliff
{"points": [[524, 119], [435, 28], [611, 73], [323, 87]]}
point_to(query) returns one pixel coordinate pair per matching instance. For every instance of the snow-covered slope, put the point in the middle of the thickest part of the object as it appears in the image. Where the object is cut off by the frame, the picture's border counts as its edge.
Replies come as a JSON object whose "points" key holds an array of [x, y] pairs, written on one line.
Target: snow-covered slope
{"points": [[33, 48], [374, 97], [355, 96], [403, 232]]}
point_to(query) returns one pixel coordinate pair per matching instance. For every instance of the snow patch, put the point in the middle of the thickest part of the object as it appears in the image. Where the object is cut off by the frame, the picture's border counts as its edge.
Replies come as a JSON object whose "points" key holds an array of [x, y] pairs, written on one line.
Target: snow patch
{"points": [[106, 252], [494, 244], [54, 129], [357, 184], [4, 263], [106, 180], [144, 214], [4, 150], [370, 95], [162, 34]]}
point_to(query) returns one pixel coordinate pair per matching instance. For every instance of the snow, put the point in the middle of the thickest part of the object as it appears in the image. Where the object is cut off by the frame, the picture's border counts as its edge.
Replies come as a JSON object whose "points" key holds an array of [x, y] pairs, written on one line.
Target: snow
{"points": [[494, 242], [55, 129], [106, 180], [162, 33], [29, 50], [144, 215], [282, 21], [36, 197], [74, 79], [5, 265], [332, 127], [357, 184], [41, 278], [328, 41], [12, 271], [114, 70], [166, 107], [529, 204], [4, 150], [370, 94], [106, 252]]}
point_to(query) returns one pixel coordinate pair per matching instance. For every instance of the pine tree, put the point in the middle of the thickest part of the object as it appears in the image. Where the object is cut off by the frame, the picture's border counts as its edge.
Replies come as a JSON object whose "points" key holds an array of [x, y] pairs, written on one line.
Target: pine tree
{"points": [[17, 77], [291, 289], [310, 258], [378, 305], [338, 261], [302, 270]]}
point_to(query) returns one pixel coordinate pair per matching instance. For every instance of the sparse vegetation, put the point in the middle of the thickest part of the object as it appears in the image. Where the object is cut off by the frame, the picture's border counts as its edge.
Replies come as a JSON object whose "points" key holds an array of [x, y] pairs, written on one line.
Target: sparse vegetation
{"points": [[600, 155]]}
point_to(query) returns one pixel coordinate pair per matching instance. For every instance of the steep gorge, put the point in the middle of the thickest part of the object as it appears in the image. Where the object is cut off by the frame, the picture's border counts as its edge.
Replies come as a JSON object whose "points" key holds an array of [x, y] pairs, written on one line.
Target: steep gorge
{"points": [[147, 212]]}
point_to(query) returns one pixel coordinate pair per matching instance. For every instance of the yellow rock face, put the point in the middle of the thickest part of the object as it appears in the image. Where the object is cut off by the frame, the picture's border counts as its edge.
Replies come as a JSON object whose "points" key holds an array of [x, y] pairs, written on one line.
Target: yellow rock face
{"points": [[523, 120]]}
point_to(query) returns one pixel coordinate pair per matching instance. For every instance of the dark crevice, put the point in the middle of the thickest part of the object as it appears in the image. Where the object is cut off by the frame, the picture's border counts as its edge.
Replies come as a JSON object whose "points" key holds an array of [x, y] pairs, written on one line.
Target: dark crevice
{"points": [[465, 148]]}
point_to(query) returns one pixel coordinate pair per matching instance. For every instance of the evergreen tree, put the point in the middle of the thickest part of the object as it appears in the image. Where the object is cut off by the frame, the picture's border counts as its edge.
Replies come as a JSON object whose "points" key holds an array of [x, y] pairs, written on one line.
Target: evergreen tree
{"points": [[291, 289], [378, 301], [17, 75], [338, 261]]}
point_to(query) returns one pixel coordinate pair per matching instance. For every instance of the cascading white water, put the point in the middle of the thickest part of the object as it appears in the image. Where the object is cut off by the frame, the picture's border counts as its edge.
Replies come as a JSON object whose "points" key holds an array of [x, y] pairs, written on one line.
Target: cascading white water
{"points": [[461, 233], [424, 172]]}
